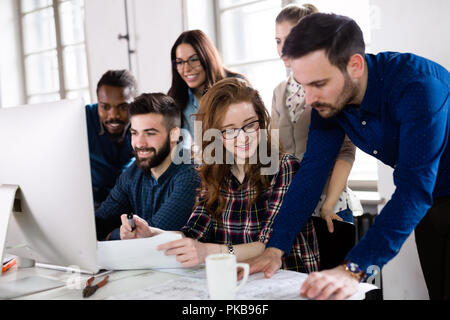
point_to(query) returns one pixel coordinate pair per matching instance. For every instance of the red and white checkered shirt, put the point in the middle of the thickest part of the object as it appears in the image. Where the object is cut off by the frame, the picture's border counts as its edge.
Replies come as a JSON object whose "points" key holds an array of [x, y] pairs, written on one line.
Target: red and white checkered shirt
{"points": [[242, 223]]}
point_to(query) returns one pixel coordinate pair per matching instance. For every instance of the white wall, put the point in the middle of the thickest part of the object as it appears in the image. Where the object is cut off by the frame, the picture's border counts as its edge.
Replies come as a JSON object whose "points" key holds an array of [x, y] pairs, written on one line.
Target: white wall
{"points": [[157, 25], [402, 276], [104, 21], [420, 28], [412, 26], [154, 26]]}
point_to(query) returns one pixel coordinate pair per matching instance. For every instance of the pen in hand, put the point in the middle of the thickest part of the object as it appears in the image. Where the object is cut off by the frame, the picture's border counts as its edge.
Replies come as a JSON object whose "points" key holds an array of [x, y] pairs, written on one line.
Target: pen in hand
{"points": [[131, 221]]}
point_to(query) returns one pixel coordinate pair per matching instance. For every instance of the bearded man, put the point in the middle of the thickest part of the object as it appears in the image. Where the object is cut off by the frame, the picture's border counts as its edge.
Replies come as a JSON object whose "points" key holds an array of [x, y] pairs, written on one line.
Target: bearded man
{"points": [[153, 187], [393, 106]]}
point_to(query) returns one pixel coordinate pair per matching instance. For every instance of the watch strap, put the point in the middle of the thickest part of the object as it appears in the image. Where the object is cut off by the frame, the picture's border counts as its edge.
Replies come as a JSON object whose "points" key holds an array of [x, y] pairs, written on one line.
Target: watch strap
{"points": [[354, 270], [230, 248]]}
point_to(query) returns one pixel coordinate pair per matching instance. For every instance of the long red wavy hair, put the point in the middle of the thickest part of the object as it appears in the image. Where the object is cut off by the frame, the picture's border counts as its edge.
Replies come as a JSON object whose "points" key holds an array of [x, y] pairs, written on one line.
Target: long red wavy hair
{"points": [[213, 106]]}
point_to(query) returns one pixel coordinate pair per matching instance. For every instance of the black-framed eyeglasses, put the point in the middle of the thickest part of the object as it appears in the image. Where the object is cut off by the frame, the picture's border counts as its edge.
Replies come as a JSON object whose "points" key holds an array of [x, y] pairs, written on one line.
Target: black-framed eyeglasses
{"points": [[193, 62], [248, 128]]}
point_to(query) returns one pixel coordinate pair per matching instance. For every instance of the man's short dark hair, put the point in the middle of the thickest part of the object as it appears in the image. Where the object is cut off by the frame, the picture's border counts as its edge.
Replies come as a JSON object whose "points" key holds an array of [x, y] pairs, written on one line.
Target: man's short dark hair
{"points": [[339, 36], [158, 103], [118, 78]]}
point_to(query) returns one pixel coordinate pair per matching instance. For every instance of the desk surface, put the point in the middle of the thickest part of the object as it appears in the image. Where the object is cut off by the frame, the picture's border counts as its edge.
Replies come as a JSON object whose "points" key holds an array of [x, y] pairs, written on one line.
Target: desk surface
{"points": [[160, 284], [119, 282]]}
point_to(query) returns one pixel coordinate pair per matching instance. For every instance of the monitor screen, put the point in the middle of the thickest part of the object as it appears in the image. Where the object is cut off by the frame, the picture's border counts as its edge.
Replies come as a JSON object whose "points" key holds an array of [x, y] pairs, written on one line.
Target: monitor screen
{"points": [[44, 150]]}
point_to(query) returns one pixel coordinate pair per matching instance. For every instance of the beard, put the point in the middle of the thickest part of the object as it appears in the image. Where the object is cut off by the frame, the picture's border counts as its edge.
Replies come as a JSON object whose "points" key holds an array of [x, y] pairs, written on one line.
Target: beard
{"points": [[155, 159], [115, 135], [345, 97]]}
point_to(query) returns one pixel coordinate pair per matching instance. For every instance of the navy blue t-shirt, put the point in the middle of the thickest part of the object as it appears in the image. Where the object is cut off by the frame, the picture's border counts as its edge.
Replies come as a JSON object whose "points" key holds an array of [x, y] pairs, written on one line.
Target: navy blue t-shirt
{"points": [[108, 159]]}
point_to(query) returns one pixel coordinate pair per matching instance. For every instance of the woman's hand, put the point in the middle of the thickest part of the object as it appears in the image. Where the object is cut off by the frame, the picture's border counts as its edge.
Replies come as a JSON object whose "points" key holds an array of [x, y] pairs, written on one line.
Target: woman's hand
{"points": [[268, 262], [327, 214], [188, 252]]}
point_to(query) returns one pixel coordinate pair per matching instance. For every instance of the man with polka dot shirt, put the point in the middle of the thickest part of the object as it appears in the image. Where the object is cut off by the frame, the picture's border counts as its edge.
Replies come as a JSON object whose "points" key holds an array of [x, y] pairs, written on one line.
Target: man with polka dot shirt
{"points": [[394, 106]]}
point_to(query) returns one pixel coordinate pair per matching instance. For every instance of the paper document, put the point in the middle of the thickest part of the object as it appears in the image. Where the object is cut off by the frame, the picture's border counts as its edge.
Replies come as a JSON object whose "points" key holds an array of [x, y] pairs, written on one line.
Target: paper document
{"points": [[136, 253], [284, 285]]}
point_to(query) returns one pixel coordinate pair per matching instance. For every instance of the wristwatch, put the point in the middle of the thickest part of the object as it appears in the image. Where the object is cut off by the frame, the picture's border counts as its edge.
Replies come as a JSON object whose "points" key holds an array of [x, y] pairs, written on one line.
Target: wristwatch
{"points": [[354, 270], [230, 248]]}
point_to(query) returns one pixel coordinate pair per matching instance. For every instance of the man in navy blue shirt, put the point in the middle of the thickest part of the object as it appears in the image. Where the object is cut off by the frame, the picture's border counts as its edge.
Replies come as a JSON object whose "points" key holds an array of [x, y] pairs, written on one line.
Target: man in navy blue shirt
{"points": [[393, 106], [153, 187], [110, 150]]}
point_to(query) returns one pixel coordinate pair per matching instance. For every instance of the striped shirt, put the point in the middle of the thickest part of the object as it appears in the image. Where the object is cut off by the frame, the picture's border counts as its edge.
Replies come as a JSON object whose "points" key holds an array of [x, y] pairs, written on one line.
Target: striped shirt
{"points": [[245, 223]]}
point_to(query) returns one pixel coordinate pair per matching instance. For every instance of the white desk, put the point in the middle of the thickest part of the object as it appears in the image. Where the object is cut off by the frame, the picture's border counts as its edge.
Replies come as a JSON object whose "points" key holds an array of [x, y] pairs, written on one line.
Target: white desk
{"points": [[159, 284], [119, 282]]}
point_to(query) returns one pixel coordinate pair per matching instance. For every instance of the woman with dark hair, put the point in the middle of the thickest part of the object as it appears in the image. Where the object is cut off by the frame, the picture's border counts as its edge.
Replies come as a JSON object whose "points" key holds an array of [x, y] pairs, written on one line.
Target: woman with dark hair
{"points": [[238, 200], [292, 116], [196, 66]]}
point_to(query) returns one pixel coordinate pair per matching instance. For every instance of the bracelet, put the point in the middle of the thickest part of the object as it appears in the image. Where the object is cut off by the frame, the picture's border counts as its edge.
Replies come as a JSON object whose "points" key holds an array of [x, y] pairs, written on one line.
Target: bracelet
{"points": [[230, 248]]}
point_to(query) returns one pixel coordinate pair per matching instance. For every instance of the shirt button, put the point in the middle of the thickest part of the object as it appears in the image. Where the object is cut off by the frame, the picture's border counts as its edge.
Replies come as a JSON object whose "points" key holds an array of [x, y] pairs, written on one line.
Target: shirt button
{"points": [[363, 123], [375, 151]]}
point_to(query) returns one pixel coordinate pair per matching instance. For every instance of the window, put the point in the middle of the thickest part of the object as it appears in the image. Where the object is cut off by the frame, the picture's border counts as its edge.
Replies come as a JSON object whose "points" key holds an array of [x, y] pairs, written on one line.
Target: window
{"points": [[54, 54], [246, 39], [247, 42]]}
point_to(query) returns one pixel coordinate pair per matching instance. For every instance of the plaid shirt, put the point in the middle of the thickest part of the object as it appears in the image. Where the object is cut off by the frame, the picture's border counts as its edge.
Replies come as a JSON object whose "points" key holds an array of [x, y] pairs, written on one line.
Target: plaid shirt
{"points": [[242, 223], [165, 203]]}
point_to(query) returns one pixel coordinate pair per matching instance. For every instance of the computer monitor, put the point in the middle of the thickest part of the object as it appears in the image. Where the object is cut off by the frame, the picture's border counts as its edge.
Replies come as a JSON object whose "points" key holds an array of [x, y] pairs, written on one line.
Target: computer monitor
{"points": [[44, 150]]}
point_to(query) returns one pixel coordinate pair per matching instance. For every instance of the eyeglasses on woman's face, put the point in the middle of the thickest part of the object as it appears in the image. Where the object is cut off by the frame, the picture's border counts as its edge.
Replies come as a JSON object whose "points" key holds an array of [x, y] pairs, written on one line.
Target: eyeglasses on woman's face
{"points": [[251, 127], [192, 62]]}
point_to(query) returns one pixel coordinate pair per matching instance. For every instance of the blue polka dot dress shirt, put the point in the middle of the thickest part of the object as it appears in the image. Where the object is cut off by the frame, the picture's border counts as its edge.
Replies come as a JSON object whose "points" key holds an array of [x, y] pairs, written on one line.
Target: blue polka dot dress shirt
{"points": [[403, 121]]}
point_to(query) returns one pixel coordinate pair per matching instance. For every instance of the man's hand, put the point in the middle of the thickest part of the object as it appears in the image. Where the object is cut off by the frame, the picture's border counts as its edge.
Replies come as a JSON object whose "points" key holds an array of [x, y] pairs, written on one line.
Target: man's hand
{"points": [[142, 228], [335, 284], [328, 215], [268, 262]]}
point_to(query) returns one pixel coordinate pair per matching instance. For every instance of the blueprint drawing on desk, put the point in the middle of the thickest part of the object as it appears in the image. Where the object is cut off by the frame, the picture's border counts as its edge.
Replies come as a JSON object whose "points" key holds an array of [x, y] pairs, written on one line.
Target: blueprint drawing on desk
{"points": [[284, 285]]}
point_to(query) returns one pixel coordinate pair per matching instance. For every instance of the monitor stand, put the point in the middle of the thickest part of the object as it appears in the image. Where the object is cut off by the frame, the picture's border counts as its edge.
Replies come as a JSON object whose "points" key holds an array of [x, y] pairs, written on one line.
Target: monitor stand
{"points": [[7, 197], [9, 203]]}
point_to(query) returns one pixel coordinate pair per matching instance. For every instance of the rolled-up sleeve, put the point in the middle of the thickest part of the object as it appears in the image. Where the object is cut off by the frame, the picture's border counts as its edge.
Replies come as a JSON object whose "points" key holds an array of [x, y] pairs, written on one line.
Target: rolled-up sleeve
{"points": [[348, 151]]}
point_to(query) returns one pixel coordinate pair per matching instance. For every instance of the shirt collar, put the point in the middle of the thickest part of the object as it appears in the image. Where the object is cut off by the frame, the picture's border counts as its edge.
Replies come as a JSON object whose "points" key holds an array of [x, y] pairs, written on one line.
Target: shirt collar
{"points": [[372, 95], [192, 99], [166, 174]]}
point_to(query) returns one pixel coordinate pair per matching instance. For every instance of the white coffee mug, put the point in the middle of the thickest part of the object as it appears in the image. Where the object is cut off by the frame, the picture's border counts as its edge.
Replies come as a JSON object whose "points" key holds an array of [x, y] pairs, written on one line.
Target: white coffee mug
{"points": [[221, 274]]}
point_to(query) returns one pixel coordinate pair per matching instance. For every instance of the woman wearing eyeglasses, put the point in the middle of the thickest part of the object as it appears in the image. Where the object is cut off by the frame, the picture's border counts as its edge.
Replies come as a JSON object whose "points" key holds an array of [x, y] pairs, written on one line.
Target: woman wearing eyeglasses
{"points": [[196, 66], [291, 116], [240, 194]]}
